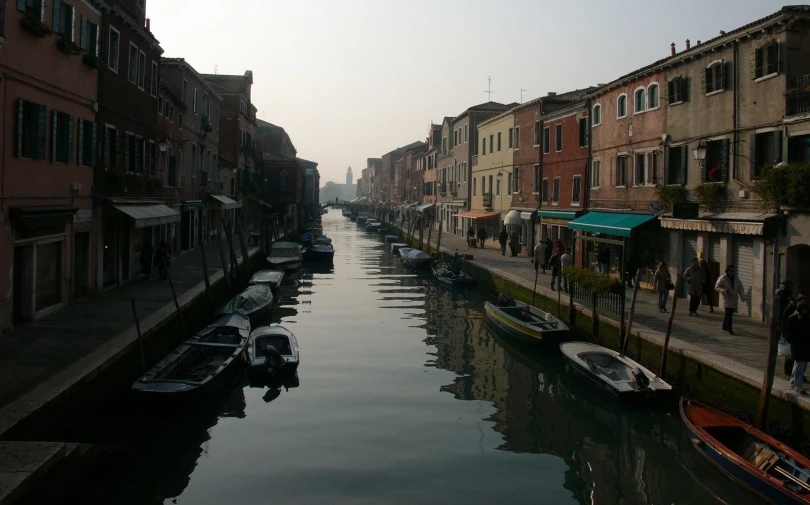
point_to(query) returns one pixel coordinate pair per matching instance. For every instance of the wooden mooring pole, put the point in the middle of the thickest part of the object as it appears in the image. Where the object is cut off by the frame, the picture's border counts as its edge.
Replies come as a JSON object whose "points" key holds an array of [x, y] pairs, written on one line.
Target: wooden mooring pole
{"points": [[439, 240], [243, 246], [205, 276], [225, 274], [138, 330], [663, 369], [632, 311], [174, 296]]}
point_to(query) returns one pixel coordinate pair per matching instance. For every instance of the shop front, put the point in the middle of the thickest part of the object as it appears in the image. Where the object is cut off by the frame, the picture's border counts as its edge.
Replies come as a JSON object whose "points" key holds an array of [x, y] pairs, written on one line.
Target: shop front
{"points": [[220, 212], [190, 225], [489, 221]]}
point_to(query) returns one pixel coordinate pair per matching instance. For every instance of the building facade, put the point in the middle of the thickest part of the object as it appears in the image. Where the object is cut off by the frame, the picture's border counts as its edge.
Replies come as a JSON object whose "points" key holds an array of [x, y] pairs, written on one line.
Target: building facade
{"points": [[492, 174]]}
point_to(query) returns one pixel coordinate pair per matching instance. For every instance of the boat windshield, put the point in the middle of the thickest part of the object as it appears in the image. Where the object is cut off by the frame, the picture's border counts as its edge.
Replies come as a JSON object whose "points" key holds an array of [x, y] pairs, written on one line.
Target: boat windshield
{"points": [[281, 343]]}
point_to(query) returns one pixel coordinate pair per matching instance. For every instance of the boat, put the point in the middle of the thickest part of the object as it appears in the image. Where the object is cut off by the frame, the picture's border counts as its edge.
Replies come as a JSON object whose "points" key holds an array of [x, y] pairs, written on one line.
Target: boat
{"points": [[524, 322], [353, 218], [270, 278], [255, 302], [382, 230], [320, 252], [445, 275], [372, 225], [619, 375], [285, 255], [346, 213], [415, 257], [361, 218], [747, 455], [397, 247], [201, 364], [391, 238], [284, 352], [322, 239]]}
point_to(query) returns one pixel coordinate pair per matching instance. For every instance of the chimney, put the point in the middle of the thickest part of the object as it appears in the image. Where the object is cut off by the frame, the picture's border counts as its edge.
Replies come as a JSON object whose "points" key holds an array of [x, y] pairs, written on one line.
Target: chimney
{"points": [[688, 45], [552, 93], [148, 25], [673, 48], [697, 43]]}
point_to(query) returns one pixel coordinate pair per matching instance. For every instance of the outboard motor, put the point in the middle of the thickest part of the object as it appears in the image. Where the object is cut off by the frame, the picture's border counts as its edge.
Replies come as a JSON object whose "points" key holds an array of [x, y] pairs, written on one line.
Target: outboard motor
{"points": [[272, 359], [641, 378], [505, 300]]}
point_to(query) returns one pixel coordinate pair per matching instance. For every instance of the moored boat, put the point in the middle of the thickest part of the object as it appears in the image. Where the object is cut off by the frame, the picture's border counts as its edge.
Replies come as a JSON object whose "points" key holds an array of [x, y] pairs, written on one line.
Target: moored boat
{"points": [[397, 247], [255, 302], [615, 373], [524, 322], [270, 278], [201, 364], [391, 238], [445, 275], [320, 252], [372, 225], [747, 455], [273, 349], [346, 213], [361, 218], [415, 257], [285, 255]]}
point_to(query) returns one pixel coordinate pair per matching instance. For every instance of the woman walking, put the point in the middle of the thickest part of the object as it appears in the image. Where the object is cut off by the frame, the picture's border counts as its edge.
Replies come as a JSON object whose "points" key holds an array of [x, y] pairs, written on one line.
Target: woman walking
{"points": [[661, 283], [708, 284], [731, 288], [694, 276]]}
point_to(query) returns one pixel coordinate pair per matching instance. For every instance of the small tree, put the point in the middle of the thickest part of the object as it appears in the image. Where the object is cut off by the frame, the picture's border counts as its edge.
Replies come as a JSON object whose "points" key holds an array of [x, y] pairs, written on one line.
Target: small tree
{"points": [[784, 185]]}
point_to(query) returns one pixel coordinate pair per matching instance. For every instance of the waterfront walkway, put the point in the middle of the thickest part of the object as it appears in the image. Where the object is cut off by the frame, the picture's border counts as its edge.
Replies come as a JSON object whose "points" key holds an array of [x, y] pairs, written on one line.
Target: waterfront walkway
{"points": [[701, 338], [43, 359]]}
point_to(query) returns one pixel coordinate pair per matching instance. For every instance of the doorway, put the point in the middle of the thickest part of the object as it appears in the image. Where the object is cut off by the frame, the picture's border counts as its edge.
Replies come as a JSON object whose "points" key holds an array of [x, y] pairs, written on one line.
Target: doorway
{"points": [[81, 265], [23, 288]]}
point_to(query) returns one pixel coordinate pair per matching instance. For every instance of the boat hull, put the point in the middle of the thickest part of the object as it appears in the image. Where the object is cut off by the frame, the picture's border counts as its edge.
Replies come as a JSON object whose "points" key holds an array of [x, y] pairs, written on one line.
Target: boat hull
{"points": [[285, 265], [321, 256], [464, 281], [518, 330]]}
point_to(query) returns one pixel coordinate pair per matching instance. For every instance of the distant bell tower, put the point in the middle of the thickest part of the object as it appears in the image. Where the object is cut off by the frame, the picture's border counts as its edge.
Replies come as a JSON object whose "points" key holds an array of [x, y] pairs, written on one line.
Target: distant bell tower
{"points": [[349, 178]]}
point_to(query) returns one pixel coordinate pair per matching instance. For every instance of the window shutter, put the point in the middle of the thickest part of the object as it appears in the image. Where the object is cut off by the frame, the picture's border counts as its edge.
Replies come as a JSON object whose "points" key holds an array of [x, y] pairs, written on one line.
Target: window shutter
{"points": [[756, 63], [724, 146], [54, 134], [670, 91], [753, 157], [20, 124], [705, 78], [780, 47], [93, 139], [84, 42], [703, 170], [80, 151], [127, 142], [683, 176], [21, 5], [57, 14], [666, 165], [42, 5], [72, 24], [722, 75], [97, 38], [777, 146], [70, 138]]}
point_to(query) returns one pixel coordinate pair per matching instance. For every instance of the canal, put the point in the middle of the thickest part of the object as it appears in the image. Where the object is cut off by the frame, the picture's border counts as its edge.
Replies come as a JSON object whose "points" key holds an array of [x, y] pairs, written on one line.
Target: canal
{"points": [[404, 395]]}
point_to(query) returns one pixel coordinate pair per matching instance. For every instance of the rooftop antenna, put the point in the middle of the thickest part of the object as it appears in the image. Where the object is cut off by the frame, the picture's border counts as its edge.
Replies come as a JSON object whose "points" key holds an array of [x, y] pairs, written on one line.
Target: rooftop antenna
{"points": [[216, 67], [521, 94], [489, 91]]}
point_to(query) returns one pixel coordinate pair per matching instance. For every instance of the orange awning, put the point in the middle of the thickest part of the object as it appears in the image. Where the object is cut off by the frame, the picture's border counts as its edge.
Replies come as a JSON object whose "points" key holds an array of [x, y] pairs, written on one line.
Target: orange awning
{"points": [[478, 215]]}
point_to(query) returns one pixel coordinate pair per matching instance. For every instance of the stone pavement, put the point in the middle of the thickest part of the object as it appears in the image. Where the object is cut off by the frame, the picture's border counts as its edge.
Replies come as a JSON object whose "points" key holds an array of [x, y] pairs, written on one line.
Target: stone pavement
{"points": [[701, 338], [42, 359]]}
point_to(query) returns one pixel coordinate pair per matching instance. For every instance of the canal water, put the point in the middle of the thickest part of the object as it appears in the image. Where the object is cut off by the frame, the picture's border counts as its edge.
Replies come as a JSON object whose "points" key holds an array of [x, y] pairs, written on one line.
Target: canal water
{"points": [[405, 395]]}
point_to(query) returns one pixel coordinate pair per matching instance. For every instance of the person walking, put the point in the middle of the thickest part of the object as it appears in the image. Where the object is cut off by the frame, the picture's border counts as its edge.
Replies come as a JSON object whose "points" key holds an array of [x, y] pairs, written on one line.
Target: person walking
{"points": [[662, 283], [798, 334], [514, 243], [162, 259], [730, 286], [559, 247], [604, 260], [482, 236], [548, 252], [694, 276], [470, 237], [503, 238], [146, 259], [555, 265], [708, 284], [566, 260], [787, 311]]}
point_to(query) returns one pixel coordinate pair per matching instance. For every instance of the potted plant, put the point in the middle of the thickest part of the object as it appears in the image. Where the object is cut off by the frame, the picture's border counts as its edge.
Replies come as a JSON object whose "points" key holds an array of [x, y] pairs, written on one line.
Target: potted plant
{"points": [[711, 196], [67, 46], [91, 60], [33, 25]]}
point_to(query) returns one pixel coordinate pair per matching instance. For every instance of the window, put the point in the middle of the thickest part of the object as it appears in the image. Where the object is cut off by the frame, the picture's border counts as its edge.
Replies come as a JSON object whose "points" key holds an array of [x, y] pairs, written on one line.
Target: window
{"points": [[596, 166], [536, 134], [536, 180], [465, 133], [154, 79], [576, 190], [511, 136], [498, 186], [714, 78], [151, 158], [546, 140], [185, 91], [652, 167], [194, 104], [484, 185], [87, 143], [583, 132], [765, 148], [517, 137], [558, 132], [110, 147], [132, 71], [475, 187], [514, 182], [491, 143], [444, 145], [455, 138], [112, 53], [597, 115], [509, 180], [141, 69], [62, 138], [652, 96], [490, 184], [35, 8], [64, 18], [89, 37], [676, 165], [171, 113], [171, 172], [284, 181], [677, 90], [160, 106], [766, 60], [715, 167], [30, 130], [544, 191], [640, 100], [499, 141], [555, 194], [621, 170], [621, 106], [640, 178]]}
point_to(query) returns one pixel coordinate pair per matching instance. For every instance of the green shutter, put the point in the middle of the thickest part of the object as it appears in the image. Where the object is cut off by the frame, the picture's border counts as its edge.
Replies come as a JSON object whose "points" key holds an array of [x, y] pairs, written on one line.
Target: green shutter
{"points": [[20, 126], [753, 157], [96, 38], [57, 15], [80, 149], [21, 5], [41, 128], [73, 24], [54, 135], [93, 149], [84, 43], [666, 165], [780, 47], [777, 146], [70, 144], [669, 89], [724, 146], [683, 178]]}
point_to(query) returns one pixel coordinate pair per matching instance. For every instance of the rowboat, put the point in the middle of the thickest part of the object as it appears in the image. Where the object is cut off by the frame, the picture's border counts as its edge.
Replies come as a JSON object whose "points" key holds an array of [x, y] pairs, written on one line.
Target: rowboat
{"points": [[276, 344], [391, 238], [524, 322], [285, 255], [361, 218], [397, 247], [270, 278], [255, 302], [320, 252], [445, 275], [201, 364], [372, 225], [415, 258], [747, 455], [610, 370]]}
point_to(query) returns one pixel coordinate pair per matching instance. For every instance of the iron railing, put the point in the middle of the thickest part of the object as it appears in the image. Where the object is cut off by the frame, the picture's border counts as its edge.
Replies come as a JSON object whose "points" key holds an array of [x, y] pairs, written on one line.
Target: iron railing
{"points": [[605, 303]]}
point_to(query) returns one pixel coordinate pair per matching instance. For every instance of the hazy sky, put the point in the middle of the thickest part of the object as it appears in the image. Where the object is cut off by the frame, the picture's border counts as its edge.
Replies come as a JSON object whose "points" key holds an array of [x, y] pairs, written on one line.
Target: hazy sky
{"points": [[353, 79]]}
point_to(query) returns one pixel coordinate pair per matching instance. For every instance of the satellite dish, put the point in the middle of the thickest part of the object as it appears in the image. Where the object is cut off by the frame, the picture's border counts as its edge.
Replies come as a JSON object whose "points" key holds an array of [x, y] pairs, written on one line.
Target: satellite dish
{"points": [[654, 207]]}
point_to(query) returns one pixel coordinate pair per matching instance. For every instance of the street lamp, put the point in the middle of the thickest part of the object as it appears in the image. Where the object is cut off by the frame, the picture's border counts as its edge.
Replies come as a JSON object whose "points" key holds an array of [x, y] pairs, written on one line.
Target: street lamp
{"points": [[163, 145], [699, 151]]}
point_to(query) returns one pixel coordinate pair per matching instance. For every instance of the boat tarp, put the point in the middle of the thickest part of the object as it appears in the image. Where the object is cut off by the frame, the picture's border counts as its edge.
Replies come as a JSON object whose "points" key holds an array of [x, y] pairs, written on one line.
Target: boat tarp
{"points": [[415, 254], [252, 298]]}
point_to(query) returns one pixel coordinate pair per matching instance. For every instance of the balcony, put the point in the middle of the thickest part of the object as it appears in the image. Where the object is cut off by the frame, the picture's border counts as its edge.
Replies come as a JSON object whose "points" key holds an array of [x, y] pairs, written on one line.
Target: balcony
{"points": [[487, 200], [798, 96]]}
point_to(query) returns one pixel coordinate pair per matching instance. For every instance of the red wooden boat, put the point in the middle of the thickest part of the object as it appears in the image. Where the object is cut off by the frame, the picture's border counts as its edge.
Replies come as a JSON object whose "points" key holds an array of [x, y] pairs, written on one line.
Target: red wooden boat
{"points": [[747, 455]]}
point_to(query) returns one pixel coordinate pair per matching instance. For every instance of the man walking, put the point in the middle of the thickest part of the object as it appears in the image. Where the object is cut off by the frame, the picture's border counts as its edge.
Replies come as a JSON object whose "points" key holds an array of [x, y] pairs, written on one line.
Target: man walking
{"points": [[695, 277], [798, 334], [708, 284], [514, 243], [482, 236], [730, 286], [566, 260], [554, 264], [502, 239]]}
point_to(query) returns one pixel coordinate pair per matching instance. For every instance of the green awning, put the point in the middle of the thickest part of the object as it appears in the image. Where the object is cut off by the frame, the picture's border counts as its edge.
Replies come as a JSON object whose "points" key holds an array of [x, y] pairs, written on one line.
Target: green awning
{"points": [[556, 214], [610, 223], [423, 207]]}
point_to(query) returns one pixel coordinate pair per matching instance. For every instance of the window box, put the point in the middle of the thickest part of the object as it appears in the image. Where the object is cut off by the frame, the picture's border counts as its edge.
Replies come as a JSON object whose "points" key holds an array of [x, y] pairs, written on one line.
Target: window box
{"points": [[35, 27], [91, 60], [67, 46]]}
